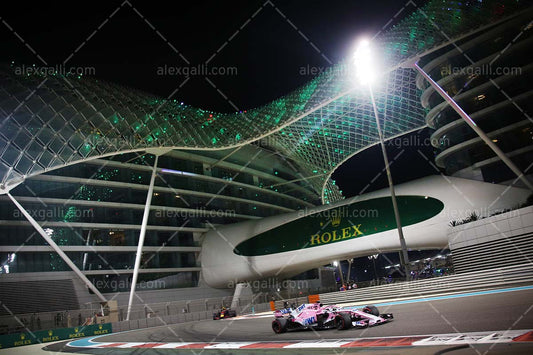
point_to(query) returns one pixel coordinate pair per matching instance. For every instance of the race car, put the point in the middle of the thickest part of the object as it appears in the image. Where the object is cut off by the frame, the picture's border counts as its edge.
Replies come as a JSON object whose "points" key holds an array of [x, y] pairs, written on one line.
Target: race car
{"points": [[317, 316], [224, 313]]}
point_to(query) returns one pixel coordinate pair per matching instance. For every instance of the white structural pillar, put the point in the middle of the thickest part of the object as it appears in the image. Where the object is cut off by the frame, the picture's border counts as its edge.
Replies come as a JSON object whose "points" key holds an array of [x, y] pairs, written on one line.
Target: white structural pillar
{"points": [[141, 236], [242, 291], [58, 250], [474, 126]]}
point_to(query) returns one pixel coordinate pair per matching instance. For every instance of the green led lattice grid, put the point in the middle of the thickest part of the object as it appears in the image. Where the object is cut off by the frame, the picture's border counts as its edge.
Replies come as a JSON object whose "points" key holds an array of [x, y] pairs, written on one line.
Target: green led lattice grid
{"points": [[46, 125]]}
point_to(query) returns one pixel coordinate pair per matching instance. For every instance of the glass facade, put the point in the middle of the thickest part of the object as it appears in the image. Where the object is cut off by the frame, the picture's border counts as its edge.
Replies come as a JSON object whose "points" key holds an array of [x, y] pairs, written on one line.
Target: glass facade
{"points": [[490, 78], [93, 211]]}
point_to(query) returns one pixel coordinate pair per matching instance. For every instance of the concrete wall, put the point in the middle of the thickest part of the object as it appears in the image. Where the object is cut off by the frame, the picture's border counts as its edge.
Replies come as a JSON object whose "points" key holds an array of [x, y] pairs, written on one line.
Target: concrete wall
{"points": [[512, 223], [175, 294], [497, 241], [145, 296]]}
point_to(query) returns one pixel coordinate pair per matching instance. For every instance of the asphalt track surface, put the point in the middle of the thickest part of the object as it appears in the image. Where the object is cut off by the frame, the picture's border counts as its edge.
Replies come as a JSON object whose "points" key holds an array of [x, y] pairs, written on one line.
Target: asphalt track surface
{"points": [[488, 312]]}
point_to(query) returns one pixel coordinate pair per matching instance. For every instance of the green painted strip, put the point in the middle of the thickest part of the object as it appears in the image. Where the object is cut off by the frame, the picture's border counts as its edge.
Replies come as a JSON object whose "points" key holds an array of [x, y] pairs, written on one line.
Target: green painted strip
{"points": [[339, 224]]}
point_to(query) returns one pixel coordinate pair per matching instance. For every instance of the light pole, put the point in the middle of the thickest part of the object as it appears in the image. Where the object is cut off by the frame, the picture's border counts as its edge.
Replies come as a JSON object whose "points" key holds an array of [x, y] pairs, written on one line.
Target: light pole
{"points": [[373, 258], [338, 263], [350, 261], [366, 75]]}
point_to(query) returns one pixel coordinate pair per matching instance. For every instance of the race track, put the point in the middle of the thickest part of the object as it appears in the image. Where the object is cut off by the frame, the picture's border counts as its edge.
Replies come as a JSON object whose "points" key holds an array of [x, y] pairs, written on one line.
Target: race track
{"points": [[487, 312], [467, 314]]}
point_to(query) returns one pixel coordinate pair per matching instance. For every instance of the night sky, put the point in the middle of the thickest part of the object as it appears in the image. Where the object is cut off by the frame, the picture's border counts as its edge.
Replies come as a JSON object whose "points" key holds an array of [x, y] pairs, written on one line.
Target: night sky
{"points": [[265, 43]]}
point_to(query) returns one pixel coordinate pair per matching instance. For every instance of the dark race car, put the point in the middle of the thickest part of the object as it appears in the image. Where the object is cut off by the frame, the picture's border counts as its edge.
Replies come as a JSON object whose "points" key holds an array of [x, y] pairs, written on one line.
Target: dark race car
{"points": [[224, 313], [317, 316]]}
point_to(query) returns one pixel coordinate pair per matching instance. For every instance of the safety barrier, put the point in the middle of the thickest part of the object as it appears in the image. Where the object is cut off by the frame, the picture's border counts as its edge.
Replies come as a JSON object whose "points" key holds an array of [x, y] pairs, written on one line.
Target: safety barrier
{"points": [[144, 316], [45, 336], [246, 307], [483, 279], [77, 317], [141, 316]]}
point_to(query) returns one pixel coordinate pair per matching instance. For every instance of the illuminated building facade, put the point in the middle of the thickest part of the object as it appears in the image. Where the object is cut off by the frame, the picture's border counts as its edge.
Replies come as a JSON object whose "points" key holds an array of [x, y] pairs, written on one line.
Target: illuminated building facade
{"points": [[489, 75], [78, 154]]}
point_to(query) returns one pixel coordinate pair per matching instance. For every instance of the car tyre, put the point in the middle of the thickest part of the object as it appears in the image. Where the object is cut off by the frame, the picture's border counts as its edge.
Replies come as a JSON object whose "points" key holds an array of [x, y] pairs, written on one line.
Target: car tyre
{"points": [[343, 321], [279, 325], [371, 310]]}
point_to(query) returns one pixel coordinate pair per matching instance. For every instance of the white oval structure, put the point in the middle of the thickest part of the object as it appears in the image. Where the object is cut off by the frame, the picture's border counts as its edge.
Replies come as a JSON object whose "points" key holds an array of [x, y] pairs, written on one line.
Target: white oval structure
{"points": [[460, 198]]}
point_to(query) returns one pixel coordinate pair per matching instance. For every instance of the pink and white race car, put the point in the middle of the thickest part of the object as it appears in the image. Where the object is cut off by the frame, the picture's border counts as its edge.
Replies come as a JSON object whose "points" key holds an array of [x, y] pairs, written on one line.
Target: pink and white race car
{"points": [[317, 316]]}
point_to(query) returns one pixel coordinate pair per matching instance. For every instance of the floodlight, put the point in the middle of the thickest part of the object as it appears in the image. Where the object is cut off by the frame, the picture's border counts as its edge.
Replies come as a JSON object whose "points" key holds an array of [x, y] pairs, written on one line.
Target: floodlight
{"points": [[364, 66]]}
